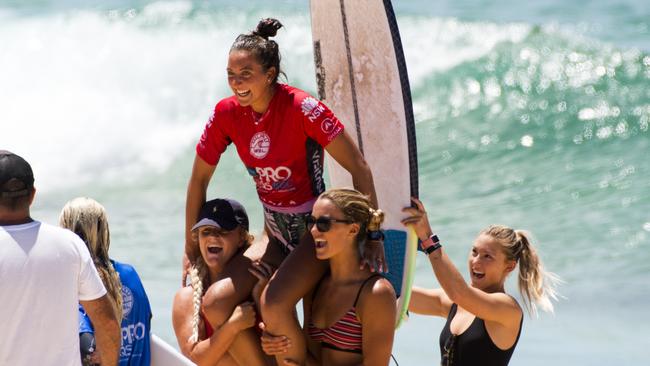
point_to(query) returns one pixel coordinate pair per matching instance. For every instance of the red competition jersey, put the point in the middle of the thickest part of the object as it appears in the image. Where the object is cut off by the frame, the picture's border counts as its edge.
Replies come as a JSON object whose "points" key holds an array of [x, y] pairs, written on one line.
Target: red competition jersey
{"points": [[282, 151]]}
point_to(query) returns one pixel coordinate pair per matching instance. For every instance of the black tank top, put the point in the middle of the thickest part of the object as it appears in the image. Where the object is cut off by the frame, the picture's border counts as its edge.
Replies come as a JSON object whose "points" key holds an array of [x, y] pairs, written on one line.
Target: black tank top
{"points": [[473, 346]]}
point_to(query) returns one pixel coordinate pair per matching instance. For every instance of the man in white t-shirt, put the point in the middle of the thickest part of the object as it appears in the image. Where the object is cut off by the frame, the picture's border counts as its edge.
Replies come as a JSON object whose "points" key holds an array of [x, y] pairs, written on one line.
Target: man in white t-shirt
{"points": [[45, 271]]}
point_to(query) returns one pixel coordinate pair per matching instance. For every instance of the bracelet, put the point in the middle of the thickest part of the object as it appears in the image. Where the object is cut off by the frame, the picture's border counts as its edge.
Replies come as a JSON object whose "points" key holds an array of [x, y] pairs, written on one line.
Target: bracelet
{"points": [[433, 248], [375, 235], [430, 241]]}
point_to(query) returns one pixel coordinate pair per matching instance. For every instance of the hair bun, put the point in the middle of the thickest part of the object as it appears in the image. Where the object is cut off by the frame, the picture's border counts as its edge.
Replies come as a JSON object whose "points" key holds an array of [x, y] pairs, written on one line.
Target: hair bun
{"points": [[267, 28]]}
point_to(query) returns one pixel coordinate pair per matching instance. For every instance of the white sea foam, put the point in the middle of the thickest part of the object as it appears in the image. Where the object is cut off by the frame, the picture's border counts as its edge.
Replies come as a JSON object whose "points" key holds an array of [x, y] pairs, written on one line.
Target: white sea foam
{"points": [[438, 44]]}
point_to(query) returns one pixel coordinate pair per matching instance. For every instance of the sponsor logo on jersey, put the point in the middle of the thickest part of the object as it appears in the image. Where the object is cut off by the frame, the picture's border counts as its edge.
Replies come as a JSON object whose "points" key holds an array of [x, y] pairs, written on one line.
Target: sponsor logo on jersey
{"points": [[127, 301], [308, 104], [272, 179], [317, 112], [327, 125], [260, 145], [334, 133], [133, 332], [315, 156]]}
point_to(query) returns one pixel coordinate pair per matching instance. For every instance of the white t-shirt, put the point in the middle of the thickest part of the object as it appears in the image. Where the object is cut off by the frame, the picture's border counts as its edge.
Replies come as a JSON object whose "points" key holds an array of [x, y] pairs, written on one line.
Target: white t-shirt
{"points": [[44, 272]]}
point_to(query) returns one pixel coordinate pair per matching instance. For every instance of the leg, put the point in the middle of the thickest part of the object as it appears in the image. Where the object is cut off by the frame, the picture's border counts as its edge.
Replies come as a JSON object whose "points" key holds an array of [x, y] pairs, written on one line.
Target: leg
{"points": [[297, 275], [235, 283]]}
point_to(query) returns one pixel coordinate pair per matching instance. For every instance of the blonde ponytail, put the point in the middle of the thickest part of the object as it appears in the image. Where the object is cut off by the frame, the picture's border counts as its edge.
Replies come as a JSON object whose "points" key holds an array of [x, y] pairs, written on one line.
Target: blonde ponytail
{"points": [[536, 285]]}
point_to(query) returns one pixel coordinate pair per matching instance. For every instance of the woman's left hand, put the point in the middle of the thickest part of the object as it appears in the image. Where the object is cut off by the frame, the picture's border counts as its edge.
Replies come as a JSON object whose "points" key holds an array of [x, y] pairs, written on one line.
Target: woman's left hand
{"points": [[418, 218], [373, 256]]}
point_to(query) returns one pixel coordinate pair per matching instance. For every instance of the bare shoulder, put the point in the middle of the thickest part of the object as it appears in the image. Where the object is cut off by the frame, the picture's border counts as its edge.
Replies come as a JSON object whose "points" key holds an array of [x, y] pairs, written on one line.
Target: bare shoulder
{"points": [[183, 299], [382, 287], [378, 291], [378, 301]]}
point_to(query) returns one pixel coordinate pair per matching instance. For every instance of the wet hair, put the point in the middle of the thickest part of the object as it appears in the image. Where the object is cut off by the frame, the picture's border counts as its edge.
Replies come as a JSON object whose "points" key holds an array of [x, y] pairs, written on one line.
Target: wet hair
{"points": [[535, 283], [356, 207], [265, 50], [87, 218], [199, 278]]}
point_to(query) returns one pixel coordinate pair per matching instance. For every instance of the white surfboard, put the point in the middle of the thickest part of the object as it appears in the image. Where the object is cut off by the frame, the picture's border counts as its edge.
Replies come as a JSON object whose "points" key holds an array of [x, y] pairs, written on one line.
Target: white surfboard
{"points": [[163, 354], [361, 76]]}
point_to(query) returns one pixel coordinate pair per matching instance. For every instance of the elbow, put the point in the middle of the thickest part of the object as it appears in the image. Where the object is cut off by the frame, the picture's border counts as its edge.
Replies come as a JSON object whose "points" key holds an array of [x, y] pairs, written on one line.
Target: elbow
{"points": [[457, 293]]}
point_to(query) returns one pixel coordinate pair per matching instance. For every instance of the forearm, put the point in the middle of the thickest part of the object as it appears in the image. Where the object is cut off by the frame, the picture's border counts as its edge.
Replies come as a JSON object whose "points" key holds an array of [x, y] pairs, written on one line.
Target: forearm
{"points": [[196, 194], [108, 338], [450, 279], [363, 182], [210, 351]]}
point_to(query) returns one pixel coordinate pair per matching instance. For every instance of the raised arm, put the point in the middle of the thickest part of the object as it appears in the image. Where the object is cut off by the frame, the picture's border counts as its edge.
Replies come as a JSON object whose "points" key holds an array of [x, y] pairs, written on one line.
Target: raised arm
{"points": [[107, 328], [496, 307], [196, 192], [346, 153]]}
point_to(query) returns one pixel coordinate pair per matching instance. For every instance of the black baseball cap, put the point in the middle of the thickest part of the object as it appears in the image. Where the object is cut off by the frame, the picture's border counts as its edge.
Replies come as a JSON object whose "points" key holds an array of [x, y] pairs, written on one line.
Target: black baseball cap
{"points": [[16, 176], [221, 213]]}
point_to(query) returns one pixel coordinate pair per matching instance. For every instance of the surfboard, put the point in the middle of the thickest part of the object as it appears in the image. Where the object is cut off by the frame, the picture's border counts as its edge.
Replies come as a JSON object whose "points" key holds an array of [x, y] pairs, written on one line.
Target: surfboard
{"points": [[361, 75], [163, 354]]}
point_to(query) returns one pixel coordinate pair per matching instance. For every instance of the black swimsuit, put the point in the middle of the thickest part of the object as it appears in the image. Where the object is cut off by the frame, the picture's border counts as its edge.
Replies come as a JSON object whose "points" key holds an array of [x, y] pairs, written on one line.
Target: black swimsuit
{"points": [[473, 346]]}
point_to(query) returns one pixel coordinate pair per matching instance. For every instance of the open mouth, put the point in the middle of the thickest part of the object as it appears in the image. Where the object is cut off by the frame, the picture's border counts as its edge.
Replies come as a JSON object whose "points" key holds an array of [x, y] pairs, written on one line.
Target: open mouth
{"points": [[320, 243], [242, 93], [478, 275], [214, 250]]}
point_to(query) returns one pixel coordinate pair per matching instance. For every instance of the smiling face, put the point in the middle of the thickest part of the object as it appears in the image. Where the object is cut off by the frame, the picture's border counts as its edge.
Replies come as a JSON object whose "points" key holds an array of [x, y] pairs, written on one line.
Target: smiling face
{"points": [[248, 80], [340, 238], [488, 265], [218, 246]]}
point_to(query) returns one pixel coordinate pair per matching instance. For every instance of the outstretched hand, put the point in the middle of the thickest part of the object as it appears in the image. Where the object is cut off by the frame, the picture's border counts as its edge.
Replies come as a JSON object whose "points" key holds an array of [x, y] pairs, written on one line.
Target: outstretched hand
{"points": [[418, 219]]}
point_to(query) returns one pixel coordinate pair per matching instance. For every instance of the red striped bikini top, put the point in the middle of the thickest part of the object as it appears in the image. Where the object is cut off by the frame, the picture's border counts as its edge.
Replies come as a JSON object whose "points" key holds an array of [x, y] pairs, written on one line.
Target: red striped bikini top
{"points": [[344, 335]]}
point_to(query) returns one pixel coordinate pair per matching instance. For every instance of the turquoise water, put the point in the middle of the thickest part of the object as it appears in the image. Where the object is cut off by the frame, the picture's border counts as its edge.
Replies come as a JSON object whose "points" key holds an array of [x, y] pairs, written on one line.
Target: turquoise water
{"points": [[532, 115]]}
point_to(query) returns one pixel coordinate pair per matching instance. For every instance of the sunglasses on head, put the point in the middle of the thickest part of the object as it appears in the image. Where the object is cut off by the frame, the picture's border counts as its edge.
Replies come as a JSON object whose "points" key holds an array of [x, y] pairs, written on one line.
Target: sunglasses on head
{"points": [[323, 223]]}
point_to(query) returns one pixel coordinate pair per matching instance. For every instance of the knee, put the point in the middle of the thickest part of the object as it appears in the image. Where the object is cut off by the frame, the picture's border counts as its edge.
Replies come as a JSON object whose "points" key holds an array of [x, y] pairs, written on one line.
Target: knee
{"points": [[217, 307]]}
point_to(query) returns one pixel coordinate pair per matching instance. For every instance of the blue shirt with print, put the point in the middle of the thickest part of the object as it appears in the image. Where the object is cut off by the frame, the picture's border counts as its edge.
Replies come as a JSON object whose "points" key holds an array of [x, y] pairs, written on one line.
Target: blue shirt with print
{"points": [[136, 319]]}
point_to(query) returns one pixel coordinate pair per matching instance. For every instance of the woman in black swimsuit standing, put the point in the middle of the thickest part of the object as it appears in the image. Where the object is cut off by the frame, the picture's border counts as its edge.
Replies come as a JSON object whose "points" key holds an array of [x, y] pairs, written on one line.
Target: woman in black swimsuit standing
{"points": [[483, 322]]}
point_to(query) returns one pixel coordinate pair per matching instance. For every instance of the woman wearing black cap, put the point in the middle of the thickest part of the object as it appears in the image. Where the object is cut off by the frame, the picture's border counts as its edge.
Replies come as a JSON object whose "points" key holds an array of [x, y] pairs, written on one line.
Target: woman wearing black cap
{"points": [[221, 233]]}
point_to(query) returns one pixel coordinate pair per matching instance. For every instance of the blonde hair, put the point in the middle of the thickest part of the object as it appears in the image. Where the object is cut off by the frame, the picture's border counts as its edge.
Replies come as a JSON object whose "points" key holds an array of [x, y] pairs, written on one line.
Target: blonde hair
{"points": [[536, 285], [356, 207], [199, 278], [87, 218]]}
